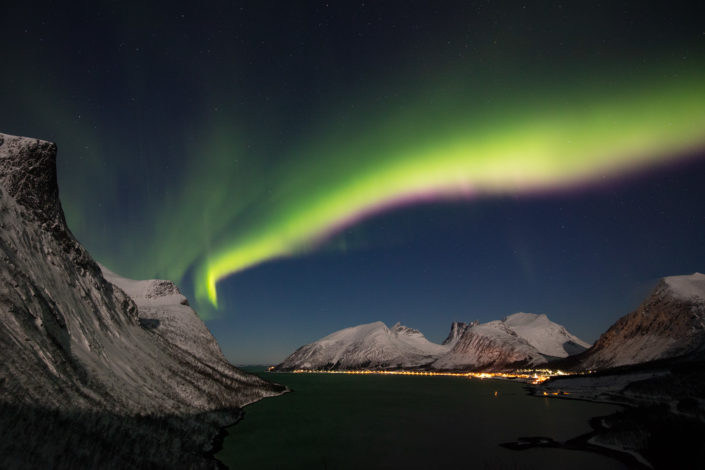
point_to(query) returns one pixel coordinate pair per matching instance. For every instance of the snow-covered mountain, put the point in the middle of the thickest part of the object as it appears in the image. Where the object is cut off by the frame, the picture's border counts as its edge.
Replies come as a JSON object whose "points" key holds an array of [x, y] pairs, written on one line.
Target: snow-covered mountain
{"points": [[549, 338], [74, 343], [372, 346], [491, 345], [669, 323], [164, 311], [520, 338]]}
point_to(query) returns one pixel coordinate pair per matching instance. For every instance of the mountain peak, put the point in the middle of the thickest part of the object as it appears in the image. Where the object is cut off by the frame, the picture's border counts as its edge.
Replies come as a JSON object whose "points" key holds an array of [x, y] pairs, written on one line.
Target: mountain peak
{"points": [[523, 318], [546, 336], [398, 328], [457, 328], [488, 345], [28, 174], [687, 287]]}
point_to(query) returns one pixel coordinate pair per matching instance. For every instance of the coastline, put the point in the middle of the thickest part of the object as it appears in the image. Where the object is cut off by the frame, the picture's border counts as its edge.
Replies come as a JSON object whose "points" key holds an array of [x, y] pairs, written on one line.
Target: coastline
{"points": [[219, 439], [589, 442], [641, 434], [661, 423], [583, 443]]}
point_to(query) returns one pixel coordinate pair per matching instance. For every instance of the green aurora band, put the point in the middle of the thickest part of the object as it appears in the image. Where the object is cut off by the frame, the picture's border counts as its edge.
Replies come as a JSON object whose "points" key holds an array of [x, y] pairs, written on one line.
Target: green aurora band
{"points": [[553, 140]]}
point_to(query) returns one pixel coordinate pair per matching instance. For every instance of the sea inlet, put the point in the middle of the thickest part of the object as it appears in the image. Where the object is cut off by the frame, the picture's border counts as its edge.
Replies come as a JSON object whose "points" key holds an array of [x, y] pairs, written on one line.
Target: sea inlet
{"points": [[337, 421]]}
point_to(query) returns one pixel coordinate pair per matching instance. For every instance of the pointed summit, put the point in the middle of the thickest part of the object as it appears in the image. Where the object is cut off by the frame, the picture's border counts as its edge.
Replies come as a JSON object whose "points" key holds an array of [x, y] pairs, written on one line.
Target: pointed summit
{"points": [[457, 328]]}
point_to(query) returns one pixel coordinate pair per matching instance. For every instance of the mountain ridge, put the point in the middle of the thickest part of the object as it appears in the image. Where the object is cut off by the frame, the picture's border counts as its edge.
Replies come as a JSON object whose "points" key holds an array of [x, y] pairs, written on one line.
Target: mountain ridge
{"points": [[467, 346], [669, 323]]}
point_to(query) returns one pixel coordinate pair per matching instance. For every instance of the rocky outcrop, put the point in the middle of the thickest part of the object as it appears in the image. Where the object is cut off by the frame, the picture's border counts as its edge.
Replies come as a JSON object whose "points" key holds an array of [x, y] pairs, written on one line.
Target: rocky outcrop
{"points": [[28, 174], [457, 328], [669, 323], [75, 344]]}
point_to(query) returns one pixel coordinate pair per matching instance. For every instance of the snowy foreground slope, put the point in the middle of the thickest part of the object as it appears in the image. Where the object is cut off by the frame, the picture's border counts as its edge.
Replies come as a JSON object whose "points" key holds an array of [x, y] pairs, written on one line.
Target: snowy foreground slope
{"points": [[669, 323], [75, 344], [522, 338]]}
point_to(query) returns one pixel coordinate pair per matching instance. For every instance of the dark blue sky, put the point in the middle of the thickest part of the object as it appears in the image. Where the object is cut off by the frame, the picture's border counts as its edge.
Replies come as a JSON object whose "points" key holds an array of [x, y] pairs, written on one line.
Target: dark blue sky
{"points": [[165, 113], [584, 258]]}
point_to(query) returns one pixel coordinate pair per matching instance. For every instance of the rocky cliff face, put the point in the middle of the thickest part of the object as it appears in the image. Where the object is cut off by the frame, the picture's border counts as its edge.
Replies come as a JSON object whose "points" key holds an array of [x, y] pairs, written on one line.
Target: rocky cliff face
{"points": [[457, 328], [669, 323], [74, 343]]}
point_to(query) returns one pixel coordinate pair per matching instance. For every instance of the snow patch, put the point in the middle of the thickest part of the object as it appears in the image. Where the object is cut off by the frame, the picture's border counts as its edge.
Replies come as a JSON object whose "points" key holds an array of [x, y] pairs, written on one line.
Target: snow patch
{"points": [[687, 287]]}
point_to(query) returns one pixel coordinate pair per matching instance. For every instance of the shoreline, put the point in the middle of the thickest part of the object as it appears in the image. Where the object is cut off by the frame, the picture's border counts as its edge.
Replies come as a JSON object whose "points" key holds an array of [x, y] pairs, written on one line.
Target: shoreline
{"points": [[661, 422], [638, 435], [533, 377], [583, 443], [219, 439], [586, 442]]}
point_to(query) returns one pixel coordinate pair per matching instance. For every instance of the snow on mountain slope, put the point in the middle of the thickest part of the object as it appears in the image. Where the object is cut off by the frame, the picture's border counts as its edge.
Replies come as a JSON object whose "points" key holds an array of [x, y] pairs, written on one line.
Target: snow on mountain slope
{"points": [[490, 345], [670, 322], [689, 287], [520, 338], [72, 340], [549, 338], [89, 377], [164, 311], [371, 345]]}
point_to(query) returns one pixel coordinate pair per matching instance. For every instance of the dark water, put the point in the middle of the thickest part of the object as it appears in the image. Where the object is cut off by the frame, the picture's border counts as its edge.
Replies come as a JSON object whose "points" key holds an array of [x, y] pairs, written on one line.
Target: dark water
{"points": [[337, 421]]}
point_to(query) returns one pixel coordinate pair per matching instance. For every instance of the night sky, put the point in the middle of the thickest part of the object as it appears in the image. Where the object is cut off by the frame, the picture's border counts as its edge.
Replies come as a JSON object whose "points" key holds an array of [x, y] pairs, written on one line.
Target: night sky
{"points": [[301, 167]]}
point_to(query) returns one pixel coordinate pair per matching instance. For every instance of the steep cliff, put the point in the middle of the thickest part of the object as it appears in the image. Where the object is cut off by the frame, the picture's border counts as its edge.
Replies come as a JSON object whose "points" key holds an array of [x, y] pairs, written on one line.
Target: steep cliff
{"points": [[457, 328], [74, 344]]}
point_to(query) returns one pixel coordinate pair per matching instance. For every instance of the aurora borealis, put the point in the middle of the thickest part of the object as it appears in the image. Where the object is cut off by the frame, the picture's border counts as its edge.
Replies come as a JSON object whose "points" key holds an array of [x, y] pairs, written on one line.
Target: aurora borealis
{"points": [[307, 166], [518, 152]]}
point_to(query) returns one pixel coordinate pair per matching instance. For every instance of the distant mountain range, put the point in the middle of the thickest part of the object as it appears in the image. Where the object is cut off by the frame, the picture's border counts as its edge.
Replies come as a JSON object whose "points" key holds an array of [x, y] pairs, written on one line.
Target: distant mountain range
{"points": [[519, 339], [669, 323]]}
